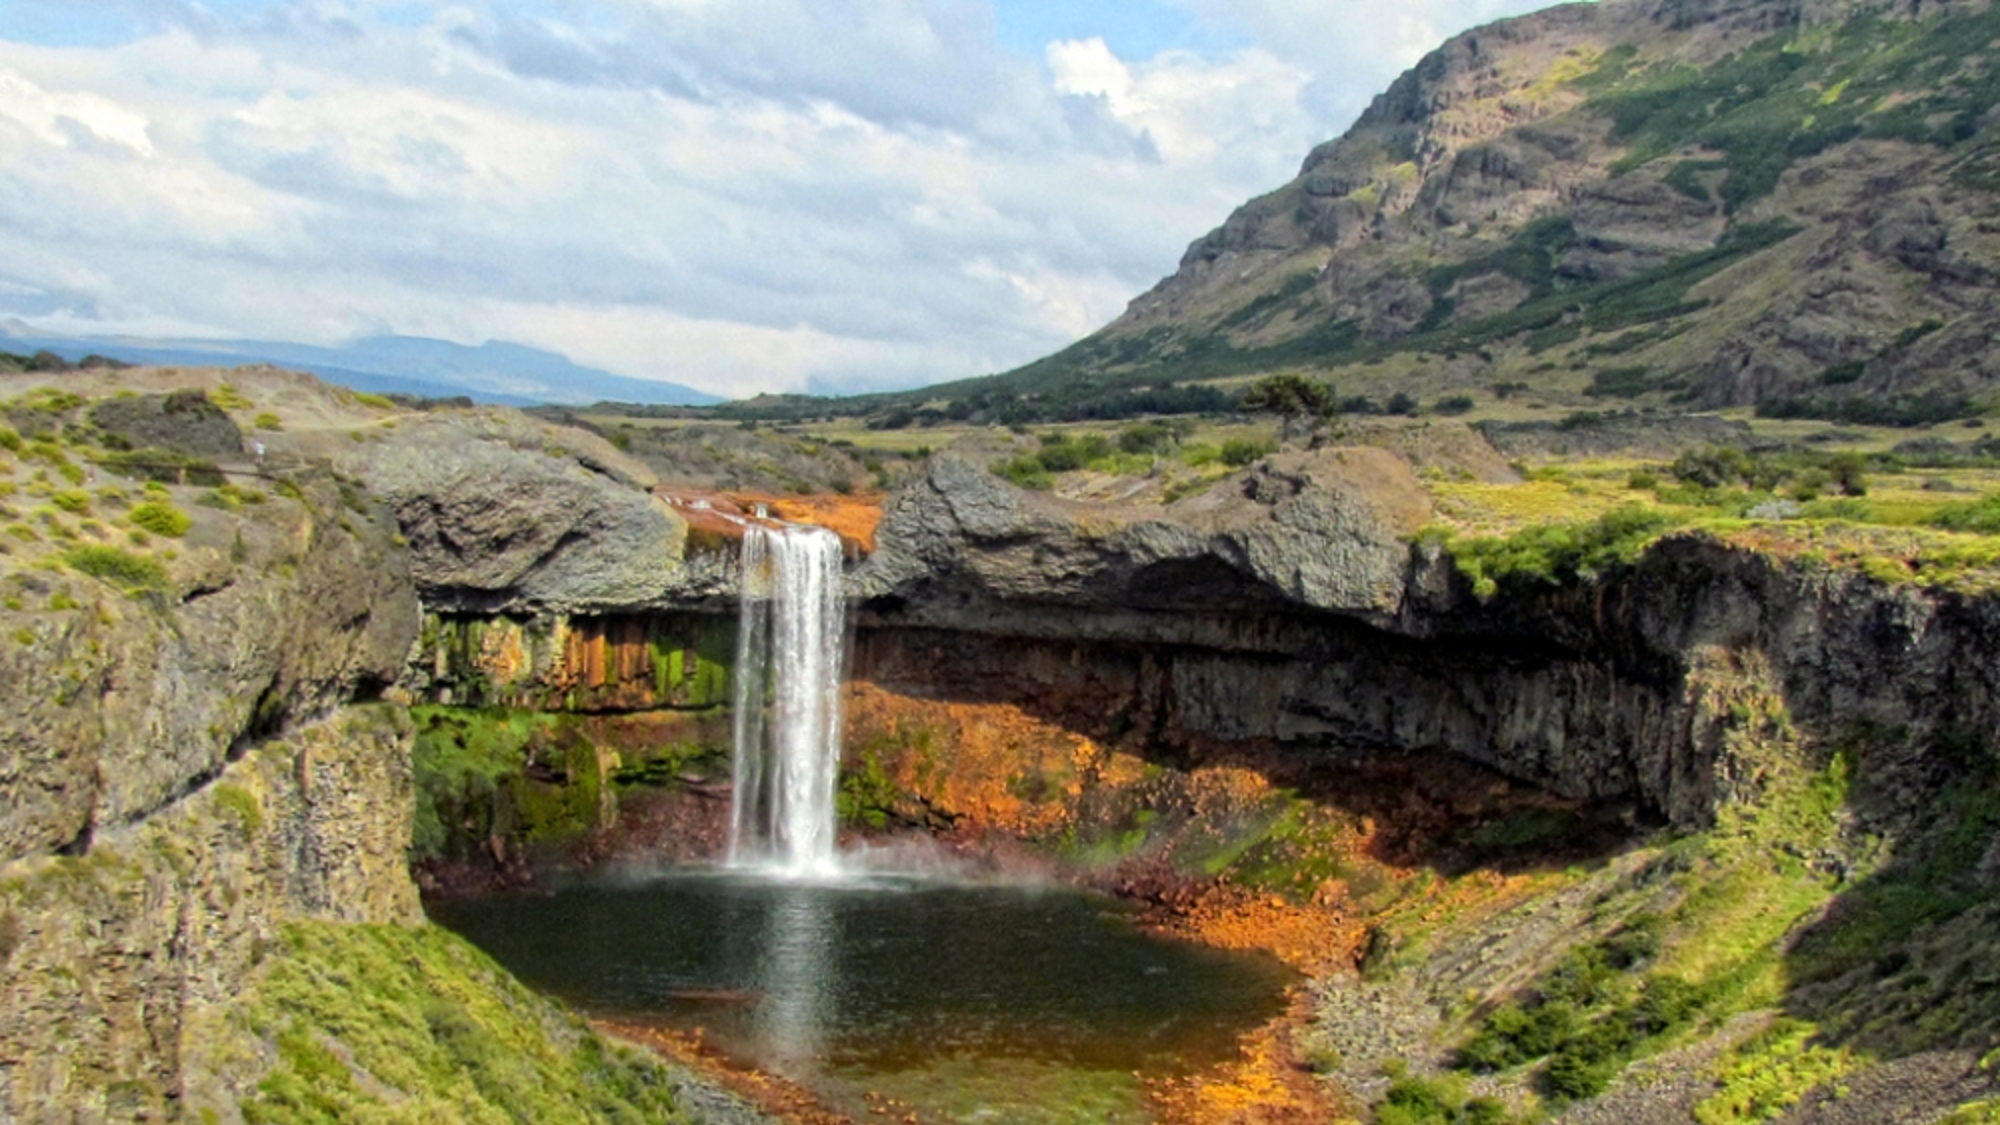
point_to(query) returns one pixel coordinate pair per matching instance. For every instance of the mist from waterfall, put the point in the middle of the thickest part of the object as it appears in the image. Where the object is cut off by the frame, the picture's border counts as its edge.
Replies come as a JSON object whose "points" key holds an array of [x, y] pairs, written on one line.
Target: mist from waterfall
{"points": [[788, 718]]}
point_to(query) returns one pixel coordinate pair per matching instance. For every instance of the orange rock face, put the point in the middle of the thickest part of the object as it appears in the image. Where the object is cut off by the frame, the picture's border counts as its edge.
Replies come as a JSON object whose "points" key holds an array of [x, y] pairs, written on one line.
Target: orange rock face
{"points": [[716, 519]]}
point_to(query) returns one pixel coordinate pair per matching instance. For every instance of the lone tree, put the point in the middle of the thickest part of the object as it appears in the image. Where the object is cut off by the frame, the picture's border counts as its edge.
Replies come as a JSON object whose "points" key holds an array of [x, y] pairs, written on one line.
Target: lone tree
{"points": [[1297, 400]]}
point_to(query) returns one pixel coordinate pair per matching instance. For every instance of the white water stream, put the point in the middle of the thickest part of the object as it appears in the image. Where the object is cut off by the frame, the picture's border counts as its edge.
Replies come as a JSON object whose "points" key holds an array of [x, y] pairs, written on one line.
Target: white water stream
{"points": [[788, 722]]}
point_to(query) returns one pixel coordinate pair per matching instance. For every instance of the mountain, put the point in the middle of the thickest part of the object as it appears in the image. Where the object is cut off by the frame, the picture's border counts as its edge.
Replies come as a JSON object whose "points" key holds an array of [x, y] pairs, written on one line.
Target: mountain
{"points": [[1789, 204], [509, 374]]}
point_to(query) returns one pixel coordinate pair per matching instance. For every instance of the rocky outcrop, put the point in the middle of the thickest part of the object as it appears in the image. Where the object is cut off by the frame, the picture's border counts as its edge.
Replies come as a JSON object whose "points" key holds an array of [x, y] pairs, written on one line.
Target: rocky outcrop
{"points": [[1317, 530], [119, 969], [507, 516], [182, 421], [1310, 631], [120, 704]]}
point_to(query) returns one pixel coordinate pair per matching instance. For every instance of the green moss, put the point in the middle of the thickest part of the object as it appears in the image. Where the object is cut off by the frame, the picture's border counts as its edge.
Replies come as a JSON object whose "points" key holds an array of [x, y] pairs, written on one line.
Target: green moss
{"points": [[464, 762], [562, 811], [691, 659], [867, 796], [241, 807], [526, 777], [378, 1024]]}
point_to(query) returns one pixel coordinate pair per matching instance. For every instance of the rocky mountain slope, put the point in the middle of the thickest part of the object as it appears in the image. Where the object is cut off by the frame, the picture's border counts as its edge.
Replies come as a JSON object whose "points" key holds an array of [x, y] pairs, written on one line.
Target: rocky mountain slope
{"points": [[1787, 203]]}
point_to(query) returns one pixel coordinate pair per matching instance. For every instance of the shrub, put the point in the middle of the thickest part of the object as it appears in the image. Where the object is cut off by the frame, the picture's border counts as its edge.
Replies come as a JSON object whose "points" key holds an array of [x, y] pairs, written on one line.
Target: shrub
{"points": [[1557, 553], [1238, 452], [118, 567], [160, 518], [227, 397], [270, 421], [1153, 437], [1290, 396], [1621, 382], [75, 501], [1454, 404], [1027, 472], [1981, 515]]}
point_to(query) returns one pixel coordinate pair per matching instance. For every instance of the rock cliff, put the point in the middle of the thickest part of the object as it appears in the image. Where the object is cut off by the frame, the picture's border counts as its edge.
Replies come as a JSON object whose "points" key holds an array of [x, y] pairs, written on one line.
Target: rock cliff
{"points": [[124, 703], [1278, 627]]}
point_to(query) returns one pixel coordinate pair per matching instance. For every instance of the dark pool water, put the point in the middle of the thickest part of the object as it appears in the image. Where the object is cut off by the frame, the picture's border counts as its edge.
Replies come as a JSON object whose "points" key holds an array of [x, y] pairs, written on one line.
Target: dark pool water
{"points": [[972, 1003]]}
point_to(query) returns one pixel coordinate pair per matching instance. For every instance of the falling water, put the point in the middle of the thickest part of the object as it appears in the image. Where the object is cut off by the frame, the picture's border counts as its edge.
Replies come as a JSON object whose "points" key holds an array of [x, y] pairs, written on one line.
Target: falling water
{"points": [[788, 660]]}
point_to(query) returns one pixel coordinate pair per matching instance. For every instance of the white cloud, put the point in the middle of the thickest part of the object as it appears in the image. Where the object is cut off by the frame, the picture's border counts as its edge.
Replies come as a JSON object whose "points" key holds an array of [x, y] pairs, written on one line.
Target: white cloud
{"points": [[790, 194]]}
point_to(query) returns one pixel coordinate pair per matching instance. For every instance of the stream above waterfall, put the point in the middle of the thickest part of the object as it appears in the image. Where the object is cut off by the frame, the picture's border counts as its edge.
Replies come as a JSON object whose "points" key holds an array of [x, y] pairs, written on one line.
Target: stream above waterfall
{"points": [[967, 1002]]}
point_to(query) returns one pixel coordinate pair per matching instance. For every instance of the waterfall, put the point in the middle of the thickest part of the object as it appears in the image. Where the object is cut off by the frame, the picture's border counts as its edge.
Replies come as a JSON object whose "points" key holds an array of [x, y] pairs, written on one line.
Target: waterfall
{"points": [[788, 667]]}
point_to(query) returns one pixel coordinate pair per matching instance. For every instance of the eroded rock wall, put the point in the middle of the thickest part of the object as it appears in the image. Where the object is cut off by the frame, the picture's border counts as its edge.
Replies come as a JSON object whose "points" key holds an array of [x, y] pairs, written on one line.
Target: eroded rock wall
{"points": [[118, 968], [1592, 690], [120, 704]]}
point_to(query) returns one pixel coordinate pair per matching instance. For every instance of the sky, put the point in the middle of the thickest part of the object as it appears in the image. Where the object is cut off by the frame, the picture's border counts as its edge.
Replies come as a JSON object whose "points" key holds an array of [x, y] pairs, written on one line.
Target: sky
{"points": [[743, 196]]}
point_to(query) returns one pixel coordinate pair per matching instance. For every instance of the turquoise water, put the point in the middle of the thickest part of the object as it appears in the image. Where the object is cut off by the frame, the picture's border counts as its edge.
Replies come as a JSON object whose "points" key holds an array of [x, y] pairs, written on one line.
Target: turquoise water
{"points": [[970, 1003]]}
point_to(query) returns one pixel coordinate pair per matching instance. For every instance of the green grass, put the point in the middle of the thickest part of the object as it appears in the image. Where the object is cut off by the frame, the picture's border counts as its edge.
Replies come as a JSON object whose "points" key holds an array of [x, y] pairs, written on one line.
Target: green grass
{"points": [[116, 566], [1556, 554], [382, 1024], [160, 518]]}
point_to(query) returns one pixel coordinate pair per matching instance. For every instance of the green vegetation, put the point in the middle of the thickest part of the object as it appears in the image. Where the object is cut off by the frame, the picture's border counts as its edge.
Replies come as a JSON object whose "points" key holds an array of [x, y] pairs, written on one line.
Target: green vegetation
{"points": [[1553, 554], [118, 567], [240, 806], [1589, 1016], [160, 518], [161, 466], [867, 796], [226, 397], [470, 769], [1793, 95], [1132, 451], [1981, 516], [1769, 1074], [232, 497], [1927, 408], [1436, 1101], [1238, 452], [381, 1024], [1291, 397]]}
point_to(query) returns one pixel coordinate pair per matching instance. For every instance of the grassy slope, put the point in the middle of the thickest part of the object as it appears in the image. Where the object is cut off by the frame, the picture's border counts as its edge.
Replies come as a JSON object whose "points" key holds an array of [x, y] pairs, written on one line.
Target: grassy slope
{"points": [[388, 1024]]}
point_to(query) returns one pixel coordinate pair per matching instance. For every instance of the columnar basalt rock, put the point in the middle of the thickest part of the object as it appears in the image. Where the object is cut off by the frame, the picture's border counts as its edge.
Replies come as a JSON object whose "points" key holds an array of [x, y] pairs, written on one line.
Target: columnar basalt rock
{"points": [[1328, 630], [122, 704]]}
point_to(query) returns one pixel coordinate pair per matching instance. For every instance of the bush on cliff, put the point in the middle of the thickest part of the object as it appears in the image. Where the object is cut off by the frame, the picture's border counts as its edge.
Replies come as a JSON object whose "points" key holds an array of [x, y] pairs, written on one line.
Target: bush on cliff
{"points": [[118, 567], [160, 518], [1553, 554]]}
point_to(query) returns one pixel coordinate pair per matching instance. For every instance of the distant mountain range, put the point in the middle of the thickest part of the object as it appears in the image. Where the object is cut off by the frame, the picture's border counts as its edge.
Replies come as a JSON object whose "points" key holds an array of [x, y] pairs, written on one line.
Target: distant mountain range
{"points": [[506, 374]]}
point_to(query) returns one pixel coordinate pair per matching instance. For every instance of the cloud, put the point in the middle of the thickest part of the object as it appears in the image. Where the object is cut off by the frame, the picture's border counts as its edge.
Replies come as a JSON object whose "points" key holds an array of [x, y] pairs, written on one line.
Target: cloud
{"points": [[786, 195], [1353, 48]]}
